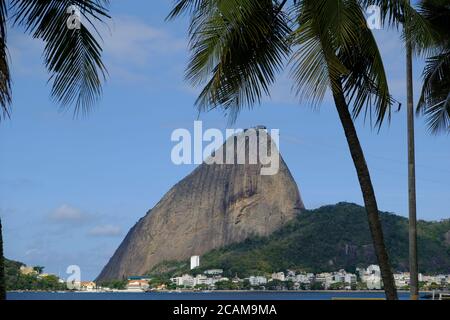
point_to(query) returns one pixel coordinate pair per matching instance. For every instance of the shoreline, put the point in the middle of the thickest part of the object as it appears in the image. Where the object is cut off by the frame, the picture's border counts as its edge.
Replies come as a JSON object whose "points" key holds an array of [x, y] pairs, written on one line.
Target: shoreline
{"points": [[215, 291]]}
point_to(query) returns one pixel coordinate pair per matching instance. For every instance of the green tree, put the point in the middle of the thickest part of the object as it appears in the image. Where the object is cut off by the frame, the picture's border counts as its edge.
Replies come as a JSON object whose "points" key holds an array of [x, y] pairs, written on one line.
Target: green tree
{"points": [[275, 285], [226, 285], [238, 47], [290, 285], [337, 286], [317, 286], [246, 285], [38, 269], [361, 286], [114, 284]]}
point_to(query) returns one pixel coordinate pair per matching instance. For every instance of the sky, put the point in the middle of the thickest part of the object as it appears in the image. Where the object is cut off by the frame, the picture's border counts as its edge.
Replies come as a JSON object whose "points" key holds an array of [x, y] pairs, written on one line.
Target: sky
{"points": [[70, 189]]}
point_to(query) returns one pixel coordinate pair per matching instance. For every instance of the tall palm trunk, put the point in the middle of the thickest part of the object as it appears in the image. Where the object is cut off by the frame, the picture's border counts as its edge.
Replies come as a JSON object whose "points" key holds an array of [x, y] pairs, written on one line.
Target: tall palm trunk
{"points": [[367, 191], [2, 268], [413, 263]]}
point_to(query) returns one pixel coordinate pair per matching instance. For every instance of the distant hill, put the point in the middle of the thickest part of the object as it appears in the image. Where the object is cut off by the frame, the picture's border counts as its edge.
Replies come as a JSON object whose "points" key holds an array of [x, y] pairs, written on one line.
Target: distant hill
{"points": [[326, 239]]}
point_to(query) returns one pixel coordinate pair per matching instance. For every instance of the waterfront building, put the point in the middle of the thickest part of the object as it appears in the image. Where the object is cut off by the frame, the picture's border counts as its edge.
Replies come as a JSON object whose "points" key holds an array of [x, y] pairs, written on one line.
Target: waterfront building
{"points": [[278, 276], [202, 280], [401, 279], [322, 278], [137, 285], [290, 275], [87, 286], [304, 278], [213, 272], [350, 279], [372, 277], [257, 280]]}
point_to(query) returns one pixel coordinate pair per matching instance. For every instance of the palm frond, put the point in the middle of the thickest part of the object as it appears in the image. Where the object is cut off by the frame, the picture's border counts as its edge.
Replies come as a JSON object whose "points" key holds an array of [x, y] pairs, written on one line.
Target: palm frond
{"points": [[438, 116], [336, 47], [314, 63], [73, 57], [392, 11], [401, 13], [366, 86], [5, 78], [236, 64], [437, 13], [434, 99], [186, 7]]}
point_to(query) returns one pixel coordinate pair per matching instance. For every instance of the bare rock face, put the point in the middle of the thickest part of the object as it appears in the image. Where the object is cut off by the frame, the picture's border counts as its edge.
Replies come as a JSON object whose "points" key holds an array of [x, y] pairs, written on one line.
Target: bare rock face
{"points": [[447, 238], [214, 206]]}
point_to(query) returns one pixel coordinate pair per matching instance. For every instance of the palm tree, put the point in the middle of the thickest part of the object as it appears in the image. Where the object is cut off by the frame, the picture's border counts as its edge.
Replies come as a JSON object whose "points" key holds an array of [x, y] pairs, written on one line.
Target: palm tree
{"points": [[412, 203], [238, 47], [38, 269], [2, 268], [417, 35], [72, 55], [435, 96]]}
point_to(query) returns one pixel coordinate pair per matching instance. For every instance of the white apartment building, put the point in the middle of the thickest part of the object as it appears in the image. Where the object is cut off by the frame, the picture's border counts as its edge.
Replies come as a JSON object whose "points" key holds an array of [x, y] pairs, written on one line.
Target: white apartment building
{"points": [[202, 280], [372, 277], [304, 278], [323, 278], [350, 278], [257, 281], [185, 280], [213, 272], [195, 262], [278, 276]]}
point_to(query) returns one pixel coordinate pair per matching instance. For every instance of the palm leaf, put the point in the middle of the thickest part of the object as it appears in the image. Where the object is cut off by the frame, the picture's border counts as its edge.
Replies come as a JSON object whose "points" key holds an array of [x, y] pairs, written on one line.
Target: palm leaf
{"points": [[336, 48], [73, 57], [434, 100], [5, 78], [236, 65], [396, 13], [186, 6]]}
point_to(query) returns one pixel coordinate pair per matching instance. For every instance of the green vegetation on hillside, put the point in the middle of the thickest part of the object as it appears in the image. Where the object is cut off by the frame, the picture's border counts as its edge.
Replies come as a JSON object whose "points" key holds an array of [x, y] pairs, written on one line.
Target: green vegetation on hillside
{"points": [[326, 239], [17, 281]]}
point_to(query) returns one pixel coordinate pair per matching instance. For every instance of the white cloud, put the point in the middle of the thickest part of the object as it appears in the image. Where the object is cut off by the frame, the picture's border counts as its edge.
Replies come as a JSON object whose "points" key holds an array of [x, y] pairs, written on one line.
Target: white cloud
{"points": [[130, 45], [134, 42], [33, 253], [105, 231], [67, 214]]}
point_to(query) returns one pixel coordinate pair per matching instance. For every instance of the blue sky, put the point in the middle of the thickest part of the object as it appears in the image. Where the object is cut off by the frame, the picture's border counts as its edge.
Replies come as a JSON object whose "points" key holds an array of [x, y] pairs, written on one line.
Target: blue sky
{"points": [[71, 188]]}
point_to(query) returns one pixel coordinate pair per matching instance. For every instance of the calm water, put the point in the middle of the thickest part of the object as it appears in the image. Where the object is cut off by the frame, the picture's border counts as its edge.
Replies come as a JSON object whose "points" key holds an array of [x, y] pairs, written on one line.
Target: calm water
{"points": [[196, 296]]}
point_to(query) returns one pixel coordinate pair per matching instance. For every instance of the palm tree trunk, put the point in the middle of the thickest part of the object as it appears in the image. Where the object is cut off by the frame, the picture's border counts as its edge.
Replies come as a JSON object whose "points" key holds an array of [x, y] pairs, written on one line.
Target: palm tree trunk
{"points": [[2, 268], [367, 191], [413, 263]]}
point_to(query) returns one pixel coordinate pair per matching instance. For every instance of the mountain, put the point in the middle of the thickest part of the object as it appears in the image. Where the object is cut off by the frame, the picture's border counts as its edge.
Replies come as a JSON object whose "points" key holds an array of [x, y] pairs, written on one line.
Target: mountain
{"points": [[327, 239], [216, 205]]}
